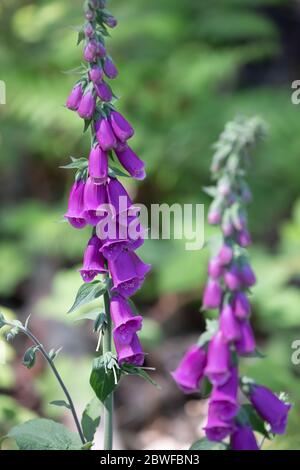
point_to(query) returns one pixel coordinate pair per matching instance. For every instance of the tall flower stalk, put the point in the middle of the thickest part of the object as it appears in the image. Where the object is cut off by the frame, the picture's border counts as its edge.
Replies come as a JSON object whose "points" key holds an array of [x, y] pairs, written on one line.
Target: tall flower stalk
{"points": [[237, 405], [99, 199]]}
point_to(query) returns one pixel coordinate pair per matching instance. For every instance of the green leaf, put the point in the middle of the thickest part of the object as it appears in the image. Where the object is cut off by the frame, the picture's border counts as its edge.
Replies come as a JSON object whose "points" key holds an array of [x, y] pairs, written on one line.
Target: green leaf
{"points": [[2, 320], [7, 443], [61, 403], [87, 123], [248, 415], [91, 419], [210, 190], [87, 293], [211, 328], [81, 37], [53, 354], [29, 357], [105, 376], [76, 163], [44, 434], [134, 370], [115, 172], [91, 315], [100, 322], [205, 444]]}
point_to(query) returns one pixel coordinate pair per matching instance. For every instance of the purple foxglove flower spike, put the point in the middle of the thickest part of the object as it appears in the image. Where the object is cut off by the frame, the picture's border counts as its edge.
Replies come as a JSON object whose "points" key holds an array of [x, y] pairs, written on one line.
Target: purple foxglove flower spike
{"points": [[217, 429], [232, 278], [128, 273], [246, 344], [93, 261], [75, 97], [94, 202], [126, 324], [109, 68], [105, 135], [243, 439], [76, 205], [247, 276], [225, 397], [87, 106], [130, 353], [190, 370], [96, 74], [229, 324], [225, 255], [103, 91], [241, 306], [98, 165], [212, 294], [132, 163], [215, 269], [218, 360], [270, 408], [121, 127]]}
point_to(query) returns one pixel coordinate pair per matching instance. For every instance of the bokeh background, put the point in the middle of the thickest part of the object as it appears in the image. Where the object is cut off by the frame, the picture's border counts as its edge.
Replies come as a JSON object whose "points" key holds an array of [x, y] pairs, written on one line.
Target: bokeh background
{"points": [[186, 67]]}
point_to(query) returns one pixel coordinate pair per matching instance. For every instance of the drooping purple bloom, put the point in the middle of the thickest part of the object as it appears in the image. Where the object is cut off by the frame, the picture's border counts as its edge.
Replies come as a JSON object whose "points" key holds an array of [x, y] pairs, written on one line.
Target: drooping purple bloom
{"points": [[214, 217], [232, 278], [215, 269], [229, 324], [128, 272], [130, 353], [247, 275], [132, 163], [100, 50], [111, 21], [225, 397], [241, 305], [105, 135], [94, 202], [90, 51], [118, 197], [74, 98], [243, 238], [212, 294], [270, 408], [96, 74], [98, 165], [89, 30], [227, 227], [225, 255], [103, 91], [93, 261], [218, 360], [243, 439], [126, 324], [216, 429], [121, 127], [87, 106], [190, 370], [246, 344], [75, 211], [109, 68]]}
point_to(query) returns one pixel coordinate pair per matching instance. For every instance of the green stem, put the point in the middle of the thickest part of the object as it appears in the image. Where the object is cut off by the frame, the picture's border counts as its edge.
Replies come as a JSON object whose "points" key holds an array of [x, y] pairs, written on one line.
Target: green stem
{"points": [[109, 402], [57, 375]]}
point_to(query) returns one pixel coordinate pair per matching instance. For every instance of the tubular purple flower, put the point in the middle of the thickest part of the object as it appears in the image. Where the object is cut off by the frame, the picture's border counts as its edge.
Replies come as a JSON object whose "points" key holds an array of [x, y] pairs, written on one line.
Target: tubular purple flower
{"points": [[218, 360], [93, 261], [128, 272], [225, 255], [98, 165], [100, 50], [109, 68], [130, 353], [243, 238], [103, 91], [225, 397], [270, 408], [111, 21], [243, 439], [118, 197], [247, 275], [132, 163], [87, 106], [94, 202], [105, 135], [214, 217], [232, 278], [89, 30], [90, 51], [215, 269], [75, 97], [229, 325], [246, 344], [76, 205], [121, 127], [241, 306], [126, 324], [216, 429], [212, 296], [96, 74], [190, 371]]}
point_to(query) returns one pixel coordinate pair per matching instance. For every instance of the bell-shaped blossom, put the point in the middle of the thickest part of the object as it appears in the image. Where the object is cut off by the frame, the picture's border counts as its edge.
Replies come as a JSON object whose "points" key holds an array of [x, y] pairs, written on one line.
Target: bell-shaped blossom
{"points": [[87, 106], [229, 325], [132, 163], [232, 278], [225, 397], [93, 261], [212, 294], [270, 407], [225, 255], [96, 74], [218, 360], [105, 135], [216, 429], [190, 371], [243, 438], [109, 68], [247, 275], [89, 30], [243, 238], [75, 213], [121, 127], [118, 197], [246, 344], [98, 165], [75, 97], [95, 206], [215, 268], [128, 272], [126, 324], [90, 51], [241, 305], [103, 91], [130, 353]]}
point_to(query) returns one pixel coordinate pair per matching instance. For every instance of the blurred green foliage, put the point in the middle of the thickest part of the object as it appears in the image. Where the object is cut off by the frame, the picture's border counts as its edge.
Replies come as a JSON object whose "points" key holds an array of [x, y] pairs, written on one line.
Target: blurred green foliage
{"points": [[185, 69]]}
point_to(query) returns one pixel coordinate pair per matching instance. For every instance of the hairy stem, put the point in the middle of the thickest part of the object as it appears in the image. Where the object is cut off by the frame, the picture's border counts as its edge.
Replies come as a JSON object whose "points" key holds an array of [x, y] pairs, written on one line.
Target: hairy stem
{"points": [[109, 402]]}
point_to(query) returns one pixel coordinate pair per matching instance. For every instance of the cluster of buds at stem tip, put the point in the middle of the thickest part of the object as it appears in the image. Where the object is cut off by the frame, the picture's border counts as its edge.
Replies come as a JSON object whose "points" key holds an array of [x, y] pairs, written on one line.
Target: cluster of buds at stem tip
{"points": [[97, 195], [230, 278]]}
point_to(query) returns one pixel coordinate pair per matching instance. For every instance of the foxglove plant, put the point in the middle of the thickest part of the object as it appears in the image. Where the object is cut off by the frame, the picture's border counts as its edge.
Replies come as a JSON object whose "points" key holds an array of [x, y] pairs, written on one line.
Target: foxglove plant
{"points": [[214, 361]]}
